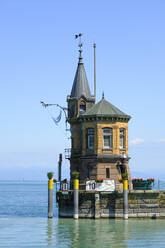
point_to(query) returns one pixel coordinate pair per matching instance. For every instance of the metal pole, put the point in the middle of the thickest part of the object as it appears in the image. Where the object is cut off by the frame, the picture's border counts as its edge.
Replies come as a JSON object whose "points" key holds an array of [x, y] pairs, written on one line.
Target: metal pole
{"points": [[50, 198], [59, 169], [158, 184], [94, 46], [76, 199], [125, 199]]}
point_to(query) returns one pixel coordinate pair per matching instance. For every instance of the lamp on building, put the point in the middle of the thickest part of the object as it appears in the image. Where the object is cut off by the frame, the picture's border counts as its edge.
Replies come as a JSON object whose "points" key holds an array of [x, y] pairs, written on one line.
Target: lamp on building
{"points": [[123, 160]]}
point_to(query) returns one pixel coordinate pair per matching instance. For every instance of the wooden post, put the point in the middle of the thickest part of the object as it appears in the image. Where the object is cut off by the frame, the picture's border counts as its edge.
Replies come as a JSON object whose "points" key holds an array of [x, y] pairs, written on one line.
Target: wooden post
{"points": [[50, 198], [76, 199], [125, 199]]}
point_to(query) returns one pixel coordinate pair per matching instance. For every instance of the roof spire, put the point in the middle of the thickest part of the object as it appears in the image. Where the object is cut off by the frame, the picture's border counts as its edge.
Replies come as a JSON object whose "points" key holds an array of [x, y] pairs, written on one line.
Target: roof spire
{"points": [[80, 84], [80, 46]]}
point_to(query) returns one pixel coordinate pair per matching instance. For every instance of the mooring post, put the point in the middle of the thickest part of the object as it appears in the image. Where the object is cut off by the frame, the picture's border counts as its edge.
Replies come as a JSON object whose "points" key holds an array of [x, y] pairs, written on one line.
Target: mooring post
{"points": [[50, 198], [125, 199], [76, 198]]}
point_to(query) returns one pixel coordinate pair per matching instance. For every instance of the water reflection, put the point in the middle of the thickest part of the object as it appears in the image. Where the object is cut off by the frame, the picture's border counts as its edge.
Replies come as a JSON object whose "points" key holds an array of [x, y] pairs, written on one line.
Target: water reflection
{"points": [[105, 233], [49, 231], [92, 233], [76, 233], [69, 233]]}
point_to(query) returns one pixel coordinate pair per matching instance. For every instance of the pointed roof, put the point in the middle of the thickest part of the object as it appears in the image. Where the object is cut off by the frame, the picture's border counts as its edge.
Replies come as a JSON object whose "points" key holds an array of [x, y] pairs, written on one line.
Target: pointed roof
{"points": [[105, 109], [80, 85]]}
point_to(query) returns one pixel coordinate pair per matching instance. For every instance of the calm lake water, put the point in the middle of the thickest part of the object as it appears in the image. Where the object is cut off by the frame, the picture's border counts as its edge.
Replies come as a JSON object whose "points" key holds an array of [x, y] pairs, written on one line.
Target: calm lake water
{"points": [[24, 223]]}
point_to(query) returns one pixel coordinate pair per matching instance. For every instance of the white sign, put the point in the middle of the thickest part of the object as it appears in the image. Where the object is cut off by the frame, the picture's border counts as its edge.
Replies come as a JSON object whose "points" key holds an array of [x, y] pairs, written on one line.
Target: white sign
{"points": [[64, 187], [90, 185], [106, 185]]}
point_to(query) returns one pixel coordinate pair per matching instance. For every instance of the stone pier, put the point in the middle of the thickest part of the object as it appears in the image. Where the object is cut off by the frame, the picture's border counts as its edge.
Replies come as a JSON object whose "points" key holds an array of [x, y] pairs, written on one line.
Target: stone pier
{"points": [[141, 204]]}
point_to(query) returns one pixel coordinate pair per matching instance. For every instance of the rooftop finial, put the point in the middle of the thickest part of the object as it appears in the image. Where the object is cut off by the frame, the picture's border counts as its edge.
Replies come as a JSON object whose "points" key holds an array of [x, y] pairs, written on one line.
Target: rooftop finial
{"points": [[103, 95], [80, 46]]}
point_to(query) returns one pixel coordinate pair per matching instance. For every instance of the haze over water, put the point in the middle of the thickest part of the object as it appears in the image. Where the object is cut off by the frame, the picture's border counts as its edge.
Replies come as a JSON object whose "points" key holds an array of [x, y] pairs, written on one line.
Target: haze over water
{"points": [[24, 223]]}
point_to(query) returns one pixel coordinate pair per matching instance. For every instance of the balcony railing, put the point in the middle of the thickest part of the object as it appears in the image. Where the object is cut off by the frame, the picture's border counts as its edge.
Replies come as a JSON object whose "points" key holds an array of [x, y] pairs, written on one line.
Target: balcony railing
{"points": [[67, 153], [70, 151]]}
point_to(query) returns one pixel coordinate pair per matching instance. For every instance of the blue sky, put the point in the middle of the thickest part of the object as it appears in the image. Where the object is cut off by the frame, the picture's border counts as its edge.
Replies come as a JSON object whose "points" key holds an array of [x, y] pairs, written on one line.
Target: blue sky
{"points": [[38, 60]]}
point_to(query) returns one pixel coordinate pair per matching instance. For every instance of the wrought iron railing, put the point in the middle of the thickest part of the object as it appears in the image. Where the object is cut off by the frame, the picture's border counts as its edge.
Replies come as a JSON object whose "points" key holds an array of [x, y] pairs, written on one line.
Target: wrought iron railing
{"points": [[158, 185], [70, 151]]}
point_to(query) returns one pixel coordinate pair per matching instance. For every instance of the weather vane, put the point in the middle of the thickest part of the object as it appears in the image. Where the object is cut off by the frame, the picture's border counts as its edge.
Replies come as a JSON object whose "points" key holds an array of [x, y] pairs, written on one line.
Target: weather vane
{"points": [[80, 42]]}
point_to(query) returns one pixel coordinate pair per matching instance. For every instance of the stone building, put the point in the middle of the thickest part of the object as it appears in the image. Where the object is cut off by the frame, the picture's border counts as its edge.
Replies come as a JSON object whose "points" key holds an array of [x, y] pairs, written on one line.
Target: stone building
{"points": [[99, 133]]}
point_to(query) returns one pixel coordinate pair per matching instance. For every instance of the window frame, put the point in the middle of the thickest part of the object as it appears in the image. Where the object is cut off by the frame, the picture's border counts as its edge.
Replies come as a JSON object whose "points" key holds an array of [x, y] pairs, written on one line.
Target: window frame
{"points": [[72, 110], [82, 107], [108, 135], [90, 137], [107, 172], [122, 138]]}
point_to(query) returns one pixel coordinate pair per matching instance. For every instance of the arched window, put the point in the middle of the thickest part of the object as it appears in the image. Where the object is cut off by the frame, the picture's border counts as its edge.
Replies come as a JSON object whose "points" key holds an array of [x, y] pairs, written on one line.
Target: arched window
{"points": [[107, 138], [122, 138], [90, 138], [82, 107]]}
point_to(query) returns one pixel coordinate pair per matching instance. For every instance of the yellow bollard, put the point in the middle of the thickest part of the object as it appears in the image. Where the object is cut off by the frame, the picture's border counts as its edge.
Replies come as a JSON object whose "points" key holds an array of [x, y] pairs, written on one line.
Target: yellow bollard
{"points": [[76, 199], [125, 199], [50, 198], [76, 184], [50, 184], [125, 184]]}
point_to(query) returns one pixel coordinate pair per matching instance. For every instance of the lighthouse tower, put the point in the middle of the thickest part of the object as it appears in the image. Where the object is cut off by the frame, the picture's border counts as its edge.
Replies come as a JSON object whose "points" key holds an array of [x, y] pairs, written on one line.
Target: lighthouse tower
{"points": [[99, 133]]}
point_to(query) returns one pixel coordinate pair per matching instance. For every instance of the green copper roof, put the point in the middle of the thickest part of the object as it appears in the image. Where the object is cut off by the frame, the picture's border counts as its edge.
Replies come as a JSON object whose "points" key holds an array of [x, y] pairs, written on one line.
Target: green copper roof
{"points": [[104, 108]]}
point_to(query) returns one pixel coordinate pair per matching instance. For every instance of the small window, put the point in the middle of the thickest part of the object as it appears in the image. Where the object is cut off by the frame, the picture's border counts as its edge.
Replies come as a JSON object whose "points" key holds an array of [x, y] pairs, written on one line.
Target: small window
{"points": [[90, 138], [122, 138], [72, 110], [82, 107], [72, 142], [107, 173], [107, 137]]}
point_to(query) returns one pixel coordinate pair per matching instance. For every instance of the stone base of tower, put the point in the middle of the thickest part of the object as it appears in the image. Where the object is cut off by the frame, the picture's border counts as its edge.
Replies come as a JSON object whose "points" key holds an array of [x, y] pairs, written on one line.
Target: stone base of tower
{"points": [[100, 167], [141, 204]]}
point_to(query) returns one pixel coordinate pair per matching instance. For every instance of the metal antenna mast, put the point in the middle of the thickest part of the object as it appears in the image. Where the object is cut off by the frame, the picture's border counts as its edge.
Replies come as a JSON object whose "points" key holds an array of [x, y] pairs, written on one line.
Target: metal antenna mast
{"points": [[94, 46]]}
